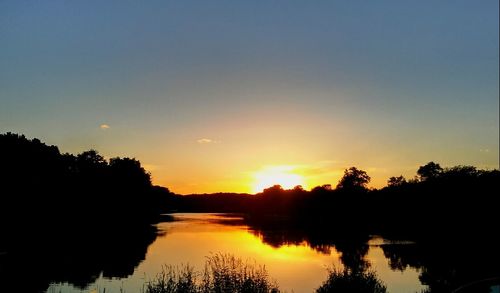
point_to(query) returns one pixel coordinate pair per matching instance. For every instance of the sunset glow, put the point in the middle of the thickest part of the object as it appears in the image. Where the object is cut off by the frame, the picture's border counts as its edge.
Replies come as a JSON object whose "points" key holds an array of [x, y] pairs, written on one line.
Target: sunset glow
{"points": [[205, 95], [277, 175], [256, 146]]}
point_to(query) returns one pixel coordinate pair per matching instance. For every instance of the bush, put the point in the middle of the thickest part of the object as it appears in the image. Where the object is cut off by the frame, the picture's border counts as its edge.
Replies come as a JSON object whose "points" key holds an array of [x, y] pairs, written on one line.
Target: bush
{"points": [[351, 281]]}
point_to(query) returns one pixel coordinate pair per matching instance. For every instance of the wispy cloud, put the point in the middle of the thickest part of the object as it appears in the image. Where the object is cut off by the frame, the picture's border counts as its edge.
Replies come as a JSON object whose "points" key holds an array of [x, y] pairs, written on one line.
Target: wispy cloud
{"points": [[206, 141], [104, 126], [150, 167]]}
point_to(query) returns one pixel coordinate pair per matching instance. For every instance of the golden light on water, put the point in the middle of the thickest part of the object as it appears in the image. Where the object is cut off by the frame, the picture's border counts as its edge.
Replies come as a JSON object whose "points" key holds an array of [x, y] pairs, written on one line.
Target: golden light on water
{"points": [[277, 175], [296, 267]]}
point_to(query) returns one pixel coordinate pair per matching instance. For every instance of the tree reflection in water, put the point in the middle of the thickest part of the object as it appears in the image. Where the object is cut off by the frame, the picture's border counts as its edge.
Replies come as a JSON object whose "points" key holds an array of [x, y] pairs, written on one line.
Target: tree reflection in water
{"points": [[445, 262], [77, 257]]}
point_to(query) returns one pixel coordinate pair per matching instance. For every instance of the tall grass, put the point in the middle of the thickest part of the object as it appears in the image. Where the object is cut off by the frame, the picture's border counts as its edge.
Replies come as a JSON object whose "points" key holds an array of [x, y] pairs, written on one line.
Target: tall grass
{"points": [[173, 279], [223, 273]]}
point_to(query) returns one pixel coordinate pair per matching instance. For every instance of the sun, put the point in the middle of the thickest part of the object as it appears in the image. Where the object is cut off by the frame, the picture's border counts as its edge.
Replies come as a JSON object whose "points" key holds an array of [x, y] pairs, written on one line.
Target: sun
{"points": [[281, 175]]}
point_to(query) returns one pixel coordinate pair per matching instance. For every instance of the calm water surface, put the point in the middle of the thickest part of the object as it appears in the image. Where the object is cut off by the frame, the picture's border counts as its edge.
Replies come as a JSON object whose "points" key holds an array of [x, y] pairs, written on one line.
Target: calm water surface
{"points": [[192, 237]]}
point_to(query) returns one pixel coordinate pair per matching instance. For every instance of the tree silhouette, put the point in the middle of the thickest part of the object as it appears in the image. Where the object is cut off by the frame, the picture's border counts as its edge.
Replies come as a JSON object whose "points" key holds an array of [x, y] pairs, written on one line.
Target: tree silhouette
{"points": [[429, 171], [322, 188], [354, 180], [130, 172], [90, 159], [273, 189], [396, 181], [461, 172], [299, 188]]}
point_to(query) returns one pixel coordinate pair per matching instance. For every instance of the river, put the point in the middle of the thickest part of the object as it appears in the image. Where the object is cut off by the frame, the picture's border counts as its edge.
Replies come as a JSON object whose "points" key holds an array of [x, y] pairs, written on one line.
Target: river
{"points": [[297, 266]]}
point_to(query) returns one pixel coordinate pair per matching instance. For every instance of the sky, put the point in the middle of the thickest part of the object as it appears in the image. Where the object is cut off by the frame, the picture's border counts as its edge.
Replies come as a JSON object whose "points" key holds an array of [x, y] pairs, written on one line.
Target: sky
{"points": [[215, 95]]}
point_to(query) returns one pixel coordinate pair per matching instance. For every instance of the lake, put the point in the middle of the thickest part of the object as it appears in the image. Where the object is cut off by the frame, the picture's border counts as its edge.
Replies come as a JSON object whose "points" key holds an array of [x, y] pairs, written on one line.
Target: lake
{"points": [[297, 264]]}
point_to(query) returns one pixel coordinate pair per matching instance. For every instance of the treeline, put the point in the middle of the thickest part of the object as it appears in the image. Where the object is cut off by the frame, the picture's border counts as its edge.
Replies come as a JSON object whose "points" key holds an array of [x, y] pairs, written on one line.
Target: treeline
{"points": [[39, 182], [436, 201]]}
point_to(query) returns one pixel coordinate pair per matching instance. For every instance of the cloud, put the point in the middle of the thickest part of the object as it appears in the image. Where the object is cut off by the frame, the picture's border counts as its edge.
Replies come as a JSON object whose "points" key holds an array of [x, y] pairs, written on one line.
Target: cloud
{"points": [[206, 141], [484, 150], [150, 167], [104, 126]]}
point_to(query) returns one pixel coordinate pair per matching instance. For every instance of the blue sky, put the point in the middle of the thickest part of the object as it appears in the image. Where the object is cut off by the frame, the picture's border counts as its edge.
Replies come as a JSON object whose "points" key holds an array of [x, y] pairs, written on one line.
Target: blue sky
{"points": [[383, 85]]}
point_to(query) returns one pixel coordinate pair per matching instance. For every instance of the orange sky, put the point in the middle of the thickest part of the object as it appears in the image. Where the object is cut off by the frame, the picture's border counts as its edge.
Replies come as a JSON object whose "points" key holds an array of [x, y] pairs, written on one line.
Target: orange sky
{"points": [[211, 96]]}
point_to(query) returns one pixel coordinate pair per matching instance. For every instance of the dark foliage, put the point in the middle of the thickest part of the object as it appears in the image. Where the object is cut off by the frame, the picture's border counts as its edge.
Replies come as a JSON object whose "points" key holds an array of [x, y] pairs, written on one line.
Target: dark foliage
{"points": [[353, 180], [349, 281], [69, 218], [38, 182]]}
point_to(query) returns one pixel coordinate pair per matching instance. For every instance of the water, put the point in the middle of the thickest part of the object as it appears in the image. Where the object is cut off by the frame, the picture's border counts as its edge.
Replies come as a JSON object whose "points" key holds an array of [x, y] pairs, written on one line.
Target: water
{"points": [[296, 264]]}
